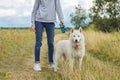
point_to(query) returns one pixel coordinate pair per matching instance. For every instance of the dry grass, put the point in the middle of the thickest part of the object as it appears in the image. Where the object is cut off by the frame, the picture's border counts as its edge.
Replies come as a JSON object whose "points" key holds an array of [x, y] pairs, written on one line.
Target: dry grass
{"points": [[101, 62]]}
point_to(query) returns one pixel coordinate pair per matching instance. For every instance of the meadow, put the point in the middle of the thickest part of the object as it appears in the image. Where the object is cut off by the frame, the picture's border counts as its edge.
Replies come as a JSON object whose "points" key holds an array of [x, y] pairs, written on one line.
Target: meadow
{"points": [[101, 61]]}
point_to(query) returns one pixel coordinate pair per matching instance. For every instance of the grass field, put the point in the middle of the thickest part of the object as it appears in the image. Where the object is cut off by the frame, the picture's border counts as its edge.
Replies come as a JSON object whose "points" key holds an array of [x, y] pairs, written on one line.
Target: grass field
{"points": [[101, 62]]}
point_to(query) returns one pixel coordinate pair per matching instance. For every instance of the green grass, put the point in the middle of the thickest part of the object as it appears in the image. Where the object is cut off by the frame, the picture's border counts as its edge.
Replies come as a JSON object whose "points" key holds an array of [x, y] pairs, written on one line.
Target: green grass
{"points": [[101, 62]]}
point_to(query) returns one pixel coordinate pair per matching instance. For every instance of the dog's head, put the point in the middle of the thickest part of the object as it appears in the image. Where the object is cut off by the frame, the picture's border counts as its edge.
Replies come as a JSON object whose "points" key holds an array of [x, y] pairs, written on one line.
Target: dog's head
{"points": [[76, 37]]}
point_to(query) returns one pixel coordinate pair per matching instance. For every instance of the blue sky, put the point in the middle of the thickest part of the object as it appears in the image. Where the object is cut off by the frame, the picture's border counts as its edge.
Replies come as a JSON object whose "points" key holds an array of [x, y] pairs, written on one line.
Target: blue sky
{"points": [[17, 13]]}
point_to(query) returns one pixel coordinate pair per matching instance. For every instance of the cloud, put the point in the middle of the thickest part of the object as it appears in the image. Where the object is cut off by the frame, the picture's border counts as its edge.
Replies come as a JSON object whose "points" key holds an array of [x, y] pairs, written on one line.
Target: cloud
{"points": [[18, 12], [68, 7], [68, 3], [26, 13], [15, 13], [86, 4], [7, 12], [15, 7]]}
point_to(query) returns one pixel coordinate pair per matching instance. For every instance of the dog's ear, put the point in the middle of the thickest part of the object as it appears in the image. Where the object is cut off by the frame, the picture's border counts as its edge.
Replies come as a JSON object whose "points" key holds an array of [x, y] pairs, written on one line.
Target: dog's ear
{"points": [[80, 29], [72, 30]]}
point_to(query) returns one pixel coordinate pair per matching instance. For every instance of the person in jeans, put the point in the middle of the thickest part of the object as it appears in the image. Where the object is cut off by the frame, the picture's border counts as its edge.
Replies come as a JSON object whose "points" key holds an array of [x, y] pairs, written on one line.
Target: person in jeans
{"points": [[44, 16]]}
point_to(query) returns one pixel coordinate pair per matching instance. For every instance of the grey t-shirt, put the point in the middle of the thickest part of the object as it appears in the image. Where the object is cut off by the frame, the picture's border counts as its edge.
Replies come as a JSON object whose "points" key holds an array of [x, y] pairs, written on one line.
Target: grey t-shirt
{"points": [[45, 11]]}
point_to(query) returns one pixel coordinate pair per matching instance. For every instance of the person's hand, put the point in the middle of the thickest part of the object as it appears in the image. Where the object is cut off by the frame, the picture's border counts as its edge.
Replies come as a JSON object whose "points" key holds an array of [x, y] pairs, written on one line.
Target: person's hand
{"points": [[61, 23], [33, 28]]}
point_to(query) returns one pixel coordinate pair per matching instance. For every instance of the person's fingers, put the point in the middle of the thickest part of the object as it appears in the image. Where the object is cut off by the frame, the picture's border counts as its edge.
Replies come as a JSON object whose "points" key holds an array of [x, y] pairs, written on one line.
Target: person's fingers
{"points": [[62, 23], [33, 28]]}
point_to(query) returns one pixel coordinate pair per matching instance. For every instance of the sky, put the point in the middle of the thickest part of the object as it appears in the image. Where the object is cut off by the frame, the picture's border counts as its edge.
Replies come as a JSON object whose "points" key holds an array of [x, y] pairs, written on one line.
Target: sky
{"points": [[17, 13]]}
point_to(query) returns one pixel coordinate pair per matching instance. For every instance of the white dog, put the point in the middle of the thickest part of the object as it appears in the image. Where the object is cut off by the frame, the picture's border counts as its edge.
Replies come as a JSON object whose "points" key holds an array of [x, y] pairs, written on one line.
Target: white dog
{"points": [[74, 47]]}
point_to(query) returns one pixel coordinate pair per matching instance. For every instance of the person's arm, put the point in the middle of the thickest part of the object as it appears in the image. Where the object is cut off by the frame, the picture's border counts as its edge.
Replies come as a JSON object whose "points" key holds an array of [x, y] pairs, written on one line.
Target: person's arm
{"points": [[59, 11], [35, 8]]}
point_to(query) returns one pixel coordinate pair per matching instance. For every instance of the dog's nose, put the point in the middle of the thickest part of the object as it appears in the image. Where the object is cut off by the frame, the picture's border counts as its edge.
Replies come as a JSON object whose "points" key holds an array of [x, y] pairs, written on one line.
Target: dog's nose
{"points": [[76, 40]]}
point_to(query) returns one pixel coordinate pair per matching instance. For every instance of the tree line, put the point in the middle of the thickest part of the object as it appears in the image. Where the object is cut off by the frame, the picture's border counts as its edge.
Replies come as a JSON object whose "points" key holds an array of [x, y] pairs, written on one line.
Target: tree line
{"points": [[104, 14]]}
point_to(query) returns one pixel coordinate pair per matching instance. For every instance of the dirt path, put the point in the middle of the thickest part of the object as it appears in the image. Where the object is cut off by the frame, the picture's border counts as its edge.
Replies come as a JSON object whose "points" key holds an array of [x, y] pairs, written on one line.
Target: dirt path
{"points": [[24, 70]]}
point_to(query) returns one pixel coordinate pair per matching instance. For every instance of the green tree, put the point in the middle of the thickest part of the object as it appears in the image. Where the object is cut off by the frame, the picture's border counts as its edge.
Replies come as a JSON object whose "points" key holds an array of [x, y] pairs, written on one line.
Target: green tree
{"points": [[78, 17], [105, 14]]}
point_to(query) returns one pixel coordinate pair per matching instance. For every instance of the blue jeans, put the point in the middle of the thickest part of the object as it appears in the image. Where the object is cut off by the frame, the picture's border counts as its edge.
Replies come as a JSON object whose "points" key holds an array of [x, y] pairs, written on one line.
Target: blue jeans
{"points": [[49, 26]]}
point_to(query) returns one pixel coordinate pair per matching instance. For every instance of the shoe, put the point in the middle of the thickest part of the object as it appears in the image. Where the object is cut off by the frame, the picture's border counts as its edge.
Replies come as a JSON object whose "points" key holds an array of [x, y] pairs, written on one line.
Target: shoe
{"points": [[51, 66], [37, 67]]}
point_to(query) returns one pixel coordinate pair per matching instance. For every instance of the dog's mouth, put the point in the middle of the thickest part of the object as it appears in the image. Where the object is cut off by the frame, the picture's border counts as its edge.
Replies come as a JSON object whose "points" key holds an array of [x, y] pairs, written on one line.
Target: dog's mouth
{"points": [[75, 45]]}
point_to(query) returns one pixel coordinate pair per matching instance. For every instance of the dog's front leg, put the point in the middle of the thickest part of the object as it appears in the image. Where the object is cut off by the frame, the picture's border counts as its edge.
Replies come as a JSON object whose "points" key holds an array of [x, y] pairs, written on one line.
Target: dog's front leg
{"points": [[71, 63], [55, 57], [80, 62]]}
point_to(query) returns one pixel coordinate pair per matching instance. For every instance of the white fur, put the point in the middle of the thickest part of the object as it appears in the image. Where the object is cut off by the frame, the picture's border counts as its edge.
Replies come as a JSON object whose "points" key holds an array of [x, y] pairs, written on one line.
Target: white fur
{"points": [[66, 49]]}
